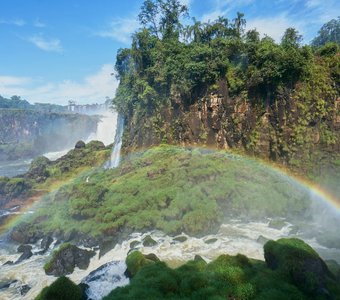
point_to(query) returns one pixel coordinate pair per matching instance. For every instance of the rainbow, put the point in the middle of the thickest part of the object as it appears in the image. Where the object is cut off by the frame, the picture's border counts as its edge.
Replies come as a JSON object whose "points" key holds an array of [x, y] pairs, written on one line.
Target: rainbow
{"points": [[317, 191]]}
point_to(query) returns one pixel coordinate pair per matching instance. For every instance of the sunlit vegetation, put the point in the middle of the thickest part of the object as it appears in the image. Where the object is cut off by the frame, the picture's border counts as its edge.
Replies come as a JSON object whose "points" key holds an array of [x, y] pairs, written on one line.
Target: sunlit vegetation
{"points": [[292, 270], [172, 189], [288, 88], [299, 274], [44, 175]]}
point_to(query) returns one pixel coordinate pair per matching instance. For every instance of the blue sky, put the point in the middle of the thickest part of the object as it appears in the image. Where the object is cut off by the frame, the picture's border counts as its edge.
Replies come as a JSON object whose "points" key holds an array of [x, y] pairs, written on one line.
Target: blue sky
{"points": [[54, 51]]}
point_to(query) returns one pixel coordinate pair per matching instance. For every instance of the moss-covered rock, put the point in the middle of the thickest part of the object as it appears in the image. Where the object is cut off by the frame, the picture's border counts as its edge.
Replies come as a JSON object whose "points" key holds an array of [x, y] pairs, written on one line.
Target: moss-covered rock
{"points": [[66, 258], [62, 289], [148, 241], [135, 261], [299, 263]]}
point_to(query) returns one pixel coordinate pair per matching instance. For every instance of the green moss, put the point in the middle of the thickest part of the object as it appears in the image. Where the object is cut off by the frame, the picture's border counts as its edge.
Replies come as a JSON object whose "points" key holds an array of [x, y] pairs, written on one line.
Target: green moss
{"points": [[135, 261], [235, 277], [49, 264], [206, 187], [62, 289]]}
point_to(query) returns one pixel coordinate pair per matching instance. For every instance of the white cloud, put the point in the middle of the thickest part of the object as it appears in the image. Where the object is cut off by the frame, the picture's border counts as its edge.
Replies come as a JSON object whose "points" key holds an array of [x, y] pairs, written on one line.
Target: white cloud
{"points": [[37, 23], [274, 26], [16, 22], [13, 81], [120, 29], [92, 89], [222, 8], [51, 45]]}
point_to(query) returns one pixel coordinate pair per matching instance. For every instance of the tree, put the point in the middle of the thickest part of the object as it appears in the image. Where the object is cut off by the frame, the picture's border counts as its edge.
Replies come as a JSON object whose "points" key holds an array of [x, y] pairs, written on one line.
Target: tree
{"points": [[162, 17], [329, 32], [239, 23], [291, 38]]}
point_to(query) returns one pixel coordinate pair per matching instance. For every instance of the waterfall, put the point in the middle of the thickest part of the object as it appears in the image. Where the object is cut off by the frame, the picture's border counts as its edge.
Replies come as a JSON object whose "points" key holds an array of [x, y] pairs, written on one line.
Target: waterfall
{"points": [[115, 155]]}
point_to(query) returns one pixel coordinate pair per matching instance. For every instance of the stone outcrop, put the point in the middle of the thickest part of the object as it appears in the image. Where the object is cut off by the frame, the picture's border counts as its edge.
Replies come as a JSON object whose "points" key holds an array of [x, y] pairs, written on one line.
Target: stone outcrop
{"points": [[66, 258]]}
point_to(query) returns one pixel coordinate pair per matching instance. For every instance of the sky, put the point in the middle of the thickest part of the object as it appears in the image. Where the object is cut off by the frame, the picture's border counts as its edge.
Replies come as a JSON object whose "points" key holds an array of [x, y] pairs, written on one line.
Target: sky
{"points": [[61, 50]]}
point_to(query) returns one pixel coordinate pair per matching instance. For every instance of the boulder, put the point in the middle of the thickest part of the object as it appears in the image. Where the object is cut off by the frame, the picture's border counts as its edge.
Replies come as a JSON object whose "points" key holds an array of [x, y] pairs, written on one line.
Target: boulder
{"points": [[133, 244], [211, 241], [24, 234], [180, 238], [299, 263], [46, 243], [148, 241], [24, 289], [25, 255], [62, 288], [66, 258], [80, 145], [24, 248], [136, 260]]}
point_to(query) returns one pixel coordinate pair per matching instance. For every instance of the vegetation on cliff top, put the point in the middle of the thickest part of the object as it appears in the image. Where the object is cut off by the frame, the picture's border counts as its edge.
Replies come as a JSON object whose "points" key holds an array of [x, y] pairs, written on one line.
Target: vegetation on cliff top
{"points": [[171, 66]]}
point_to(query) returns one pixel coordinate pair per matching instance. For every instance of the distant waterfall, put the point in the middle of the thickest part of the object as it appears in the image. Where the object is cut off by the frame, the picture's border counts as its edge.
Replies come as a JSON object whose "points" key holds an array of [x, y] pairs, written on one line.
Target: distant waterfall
{"points": [[115, 155]]}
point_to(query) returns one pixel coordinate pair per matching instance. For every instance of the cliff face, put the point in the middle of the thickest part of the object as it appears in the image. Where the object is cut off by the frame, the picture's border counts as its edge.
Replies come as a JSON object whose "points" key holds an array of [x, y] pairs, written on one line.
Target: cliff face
{"points": [[26, 133], [279, 132]]}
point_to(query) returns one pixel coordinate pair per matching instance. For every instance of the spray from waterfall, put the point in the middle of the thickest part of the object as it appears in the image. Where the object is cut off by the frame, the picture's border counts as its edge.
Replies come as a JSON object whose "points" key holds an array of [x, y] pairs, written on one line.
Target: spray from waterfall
{"points": [[115, 154]]}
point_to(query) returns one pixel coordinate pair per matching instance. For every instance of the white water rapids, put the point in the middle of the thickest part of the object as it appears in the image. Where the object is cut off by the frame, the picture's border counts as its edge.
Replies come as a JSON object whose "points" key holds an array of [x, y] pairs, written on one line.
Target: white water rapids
{"points": [[232, 238]]}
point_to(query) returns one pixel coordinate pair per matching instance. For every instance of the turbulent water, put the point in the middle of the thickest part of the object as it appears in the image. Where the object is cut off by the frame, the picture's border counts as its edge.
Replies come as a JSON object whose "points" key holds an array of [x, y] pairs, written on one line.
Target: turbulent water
{"points": [[107, 272]]}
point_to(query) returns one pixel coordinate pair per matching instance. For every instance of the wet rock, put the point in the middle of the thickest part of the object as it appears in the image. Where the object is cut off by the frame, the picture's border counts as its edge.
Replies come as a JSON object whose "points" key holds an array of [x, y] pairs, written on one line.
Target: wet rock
{"points": [[262, 240], [46, 243], [106, 246], [135, 261], [180, 239], [199, 258], [24, 289], [24, 248], [7, 284], [25, 255], [152, 256], [83, 287], [148, 241], [70, 235], [66, 258], [210, 241], [133, 244], [299, 262], [80, 145], [23, 234]]}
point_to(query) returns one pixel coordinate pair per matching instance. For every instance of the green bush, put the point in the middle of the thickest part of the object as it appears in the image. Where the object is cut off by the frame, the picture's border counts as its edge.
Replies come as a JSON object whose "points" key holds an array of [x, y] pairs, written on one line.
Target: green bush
{"points": [[62, 289]]}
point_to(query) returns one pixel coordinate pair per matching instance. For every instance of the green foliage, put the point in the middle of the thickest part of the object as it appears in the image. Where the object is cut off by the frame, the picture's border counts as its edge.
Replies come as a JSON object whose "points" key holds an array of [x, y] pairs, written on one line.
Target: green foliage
{"points": [[234, 277], [49, 264], [329, 32], [135, 261], [62, 289], [137, 196]]}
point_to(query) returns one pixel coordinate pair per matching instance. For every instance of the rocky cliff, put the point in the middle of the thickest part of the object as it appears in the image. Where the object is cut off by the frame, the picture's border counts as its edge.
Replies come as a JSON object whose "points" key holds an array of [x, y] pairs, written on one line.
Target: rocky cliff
{"points": [[282, 132], [26, 133]]}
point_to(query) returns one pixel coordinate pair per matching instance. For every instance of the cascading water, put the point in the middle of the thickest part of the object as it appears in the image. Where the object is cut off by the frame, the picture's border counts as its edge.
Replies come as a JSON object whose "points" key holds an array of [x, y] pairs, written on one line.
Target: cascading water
{"points": [[115, 155]]}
